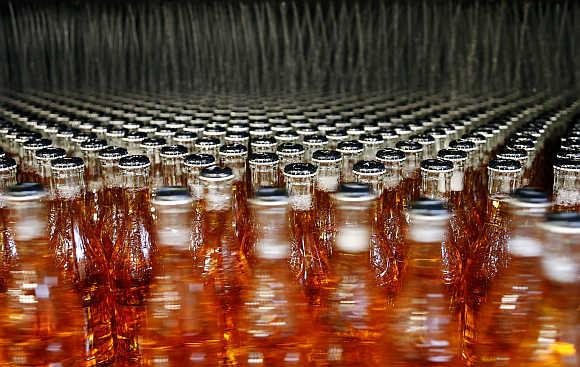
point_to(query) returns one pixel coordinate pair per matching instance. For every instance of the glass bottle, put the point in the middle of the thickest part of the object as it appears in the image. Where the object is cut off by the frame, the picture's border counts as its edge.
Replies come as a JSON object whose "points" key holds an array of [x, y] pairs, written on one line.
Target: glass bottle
{"points": [[42, 159], [313, 143], [225, 264], [371, 143], [557, 342], [151, 147], [180, 326], [235, 156], [335, 137], [424, 332], [427, 142], [519, 155], [80, 257], [186, 139], [276, 326], [507, 322], [352, 152], [264, 145], [192, 165], [29, 149], [392, 223], [288, 153], [132, 257], [132, 141], [566, 188], [490, 252], [110, 198], [469, 178], [89, 152], [329, 164], [357, 306], [263, 170], [436, 182], [308, 262], [411, 170], [42, 322], [172, 165], [207, 145], [8, 167]]}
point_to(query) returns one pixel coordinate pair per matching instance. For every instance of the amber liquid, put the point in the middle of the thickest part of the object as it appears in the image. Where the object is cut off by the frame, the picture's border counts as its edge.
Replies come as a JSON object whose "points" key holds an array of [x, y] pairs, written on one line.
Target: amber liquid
{"points": [[392, 229], [489, 258], [412, 189], [225, 272], [131, 270], [423, 331], [308, 262], [241, 213], [325, 222], [276, 326], [82, 262], [357, 313], [469, 202], [509, 318], [7, 250], [110, 218], [181, 324]]}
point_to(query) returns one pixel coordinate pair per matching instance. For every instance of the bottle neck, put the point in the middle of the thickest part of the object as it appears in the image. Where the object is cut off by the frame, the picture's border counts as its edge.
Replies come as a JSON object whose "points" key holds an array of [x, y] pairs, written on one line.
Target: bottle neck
{"points": [[436, 185], [238, 166], [412, 164], [7, 178], [217, 195], [300, 190], [110, 173], [501, 183], [566, 187], [172, 171], [264, 175], [69, 184], [393, 175], [328, 176], [348, 162]]}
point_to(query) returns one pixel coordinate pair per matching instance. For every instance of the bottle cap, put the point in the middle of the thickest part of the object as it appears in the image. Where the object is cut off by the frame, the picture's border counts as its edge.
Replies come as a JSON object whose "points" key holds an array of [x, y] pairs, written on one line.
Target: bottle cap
{"points": [[300, 170], [453, 155], [216, 173], [50, 153], [314, 140], [93, 145], [67, 163], [529, 196], [134, 162], [409, 146], [562, 222], [504, 165], [7, 163], [230, 150], [112, 152], [25, 191], [368, 168], [436, 165], [270, 196], [371, 139], [290, 149], [34, 144], [463, 144], [171, 195], [391, 155], [422, 139], [354, 191], [264, 158], [153, 143], [134, 136], [173, 151], [513, 153], [207, 142], [429, 208], [326, 156], [567, 164], [350, 147], [199, 160]]}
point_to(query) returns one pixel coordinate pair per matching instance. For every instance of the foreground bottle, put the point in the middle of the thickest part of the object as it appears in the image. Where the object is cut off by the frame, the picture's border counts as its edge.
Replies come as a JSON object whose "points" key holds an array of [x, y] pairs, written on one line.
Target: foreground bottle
{"points": [[357, 305], [132, 257], [276, 327], [80, 257], [7, 249], [558, 343], [423, 330], [507, 323], [41, 319], [181, 324], [224, 264]]}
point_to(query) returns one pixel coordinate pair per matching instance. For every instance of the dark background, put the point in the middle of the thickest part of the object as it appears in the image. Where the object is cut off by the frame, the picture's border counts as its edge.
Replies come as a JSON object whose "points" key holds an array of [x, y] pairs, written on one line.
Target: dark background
{"points": [[266, 47]]}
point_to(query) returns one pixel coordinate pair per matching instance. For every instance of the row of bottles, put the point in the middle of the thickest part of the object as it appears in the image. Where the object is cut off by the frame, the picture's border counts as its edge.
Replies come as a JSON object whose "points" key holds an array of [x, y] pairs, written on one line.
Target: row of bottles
{"points": [[353, 251]]}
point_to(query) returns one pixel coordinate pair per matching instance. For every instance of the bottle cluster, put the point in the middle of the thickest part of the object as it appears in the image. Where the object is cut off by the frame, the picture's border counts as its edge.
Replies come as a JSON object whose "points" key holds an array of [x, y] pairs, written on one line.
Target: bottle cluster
{"points": [[411, 230]]}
